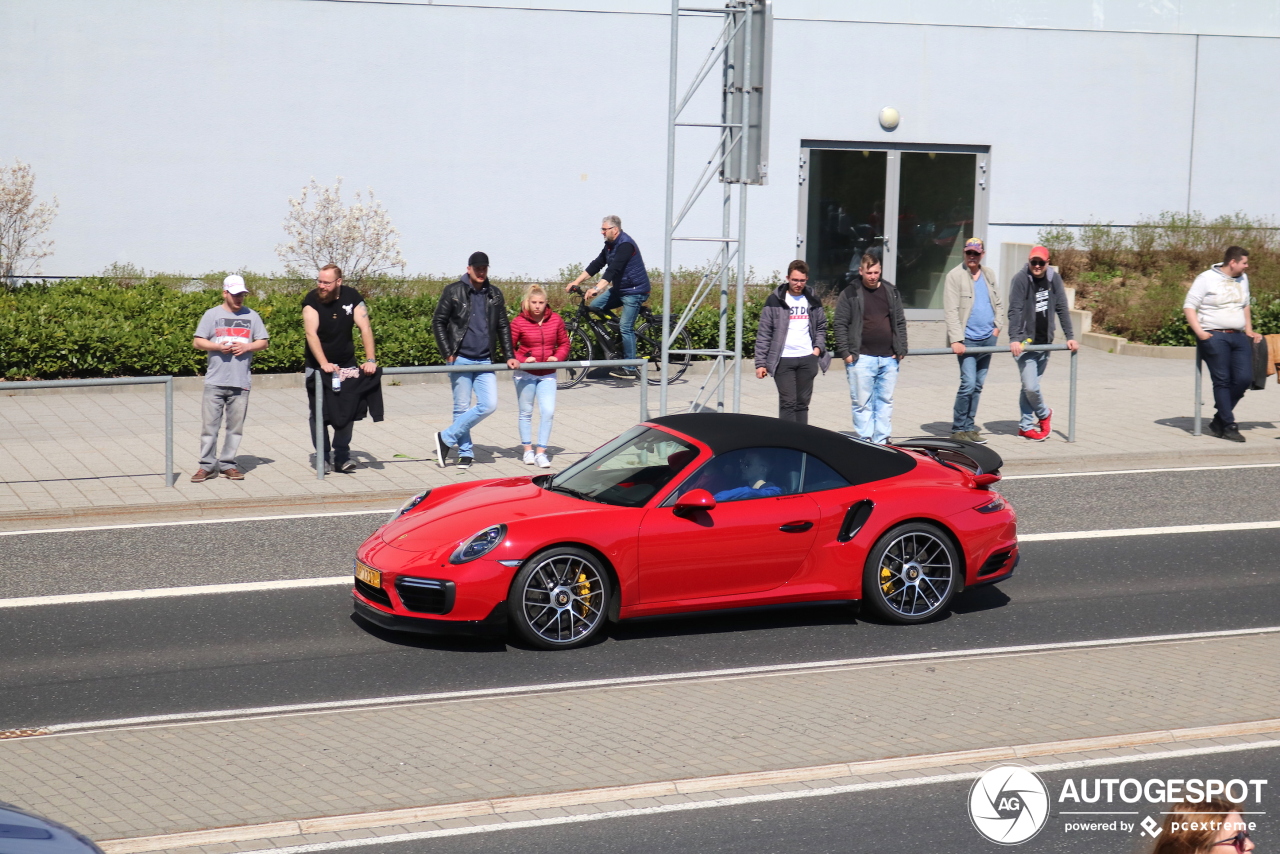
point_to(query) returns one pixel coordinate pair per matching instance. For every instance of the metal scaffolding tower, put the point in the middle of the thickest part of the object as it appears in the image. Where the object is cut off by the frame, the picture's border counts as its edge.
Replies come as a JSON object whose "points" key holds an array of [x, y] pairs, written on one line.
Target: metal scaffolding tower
{"points": [[740, 157]]}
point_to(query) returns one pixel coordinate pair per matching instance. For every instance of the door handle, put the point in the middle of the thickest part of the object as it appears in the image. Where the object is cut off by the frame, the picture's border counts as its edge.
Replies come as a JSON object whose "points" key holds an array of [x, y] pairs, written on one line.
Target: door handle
{"points": [[795, 527]]}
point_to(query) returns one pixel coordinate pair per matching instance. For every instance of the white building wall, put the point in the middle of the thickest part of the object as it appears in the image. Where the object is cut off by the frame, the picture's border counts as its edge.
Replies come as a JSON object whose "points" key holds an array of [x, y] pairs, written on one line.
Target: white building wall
{"points": [[173, 133]]}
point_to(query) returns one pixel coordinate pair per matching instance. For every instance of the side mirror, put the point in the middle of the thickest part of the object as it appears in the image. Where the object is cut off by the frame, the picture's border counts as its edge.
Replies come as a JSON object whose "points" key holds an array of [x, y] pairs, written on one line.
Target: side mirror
{"points": [[985, 480], [693, 501]]}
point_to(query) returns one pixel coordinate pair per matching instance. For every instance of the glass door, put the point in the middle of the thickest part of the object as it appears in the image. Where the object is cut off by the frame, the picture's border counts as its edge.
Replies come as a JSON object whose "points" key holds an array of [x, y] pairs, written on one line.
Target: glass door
{"points": [[935, 218], [845, 214], [912, 206]]}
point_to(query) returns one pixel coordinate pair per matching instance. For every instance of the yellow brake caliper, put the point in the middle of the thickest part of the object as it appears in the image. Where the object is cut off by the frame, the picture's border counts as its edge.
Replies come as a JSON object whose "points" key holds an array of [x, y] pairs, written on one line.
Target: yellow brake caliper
{"points": [[886, 580], [584, 590]]}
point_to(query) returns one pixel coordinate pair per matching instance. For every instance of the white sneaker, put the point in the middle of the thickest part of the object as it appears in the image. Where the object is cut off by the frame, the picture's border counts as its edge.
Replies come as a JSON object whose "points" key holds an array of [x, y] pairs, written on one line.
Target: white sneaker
{"points": [[528, 457], [542, 461]]}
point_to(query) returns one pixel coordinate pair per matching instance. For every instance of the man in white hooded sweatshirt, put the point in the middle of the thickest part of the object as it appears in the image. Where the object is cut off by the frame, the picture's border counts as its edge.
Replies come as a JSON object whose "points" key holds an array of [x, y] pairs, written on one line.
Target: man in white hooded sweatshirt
{"points": [[1217, 309]]}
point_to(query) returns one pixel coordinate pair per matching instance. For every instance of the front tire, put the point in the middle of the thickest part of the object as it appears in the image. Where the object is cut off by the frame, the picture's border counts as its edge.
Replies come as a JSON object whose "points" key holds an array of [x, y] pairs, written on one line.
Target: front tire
{"points": [[911, 574], [559, 598]]}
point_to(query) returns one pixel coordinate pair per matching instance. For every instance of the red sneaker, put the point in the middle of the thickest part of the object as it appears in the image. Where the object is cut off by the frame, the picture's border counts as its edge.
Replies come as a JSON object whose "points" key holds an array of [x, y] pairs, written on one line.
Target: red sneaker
{"points": [[1044, 422], [1034, 435]]}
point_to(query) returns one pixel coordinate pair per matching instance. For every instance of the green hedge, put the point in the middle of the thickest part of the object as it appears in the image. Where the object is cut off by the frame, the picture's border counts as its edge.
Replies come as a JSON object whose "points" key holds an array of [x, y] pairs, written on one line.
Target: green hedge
{"points": [[97, 327]]}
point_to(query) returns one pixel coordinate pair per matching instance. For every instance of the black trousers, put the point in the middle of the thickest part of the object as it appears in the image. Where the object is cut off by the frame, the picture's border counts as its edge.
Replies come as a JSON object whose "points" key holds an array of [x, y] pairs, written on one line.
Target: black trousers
{"points": [[794, 378]]}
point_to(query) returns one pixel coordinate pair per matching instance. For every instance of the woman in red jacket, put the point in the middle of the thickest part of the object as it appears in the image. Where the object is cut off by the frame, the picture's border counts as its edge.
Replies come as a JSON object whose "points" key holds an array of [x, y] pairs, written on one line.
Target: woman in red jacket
{"points": [[537, 335]]}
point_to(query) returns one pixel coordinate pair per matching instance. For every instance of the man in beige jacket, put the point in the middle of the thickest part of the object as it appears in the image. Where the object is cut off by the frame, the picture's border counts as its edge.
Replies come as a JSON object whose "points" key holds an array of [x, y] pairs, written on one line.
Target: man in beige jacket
{"points": [[972, 307]]}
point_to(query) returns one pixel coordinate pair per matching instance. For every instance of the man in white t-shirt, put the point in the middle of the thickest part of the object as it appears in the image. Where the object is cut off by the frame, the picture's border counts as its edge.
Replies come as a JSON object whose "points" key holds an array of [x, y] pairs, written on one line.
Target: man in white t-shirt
{"points": [[230, 333], [1217, 310], [791, 342]]}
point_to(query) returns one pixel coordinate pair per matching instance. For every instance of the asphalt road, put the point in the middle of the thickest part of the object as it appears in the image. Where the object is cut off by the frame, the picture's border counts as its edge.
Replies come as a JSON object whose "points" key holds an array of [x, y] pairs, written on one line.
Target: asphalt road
{"points": [[931, 818], [120, 659]]}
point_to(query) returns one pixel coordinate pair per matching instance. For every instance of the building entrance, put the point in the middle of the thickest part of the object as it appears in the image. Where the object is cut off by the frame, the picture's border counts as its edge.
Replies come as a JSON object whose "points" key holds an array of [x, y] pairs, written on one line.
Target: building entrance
{"points": [[913, 205]]}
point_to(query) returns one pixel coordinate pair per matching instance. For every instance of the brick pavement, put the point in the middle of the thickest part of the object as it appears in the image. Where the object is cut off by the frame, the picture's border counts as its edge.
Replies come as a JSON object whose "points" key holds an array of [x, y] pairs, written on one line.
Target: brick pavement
{"points": [[163, 779], [77, 452]]}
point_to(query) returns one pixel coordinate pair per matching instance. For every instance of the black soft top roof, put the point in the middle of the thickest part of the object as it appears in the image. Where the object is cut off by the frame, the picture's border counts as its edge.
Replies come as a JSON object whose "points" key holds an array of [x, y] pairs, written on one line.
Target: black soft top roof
{"points": [[858, 462]]}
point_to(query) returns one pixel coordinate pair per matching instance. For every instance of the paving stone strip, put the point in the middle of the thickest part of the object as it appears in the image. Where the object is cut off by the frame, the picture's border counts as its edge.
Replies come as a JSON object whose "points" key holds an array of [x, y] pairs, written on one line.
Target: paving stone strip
{"points": [[166, 779]]}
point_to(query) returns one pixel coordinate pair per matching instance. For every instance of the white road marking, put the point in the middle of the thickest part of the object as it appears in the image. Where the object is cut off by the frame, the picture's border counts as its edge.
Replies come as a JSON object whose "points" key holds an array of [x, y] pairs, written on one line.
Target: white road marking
{"points": [[1148, 532], [262, 712], [387, 511], [1139, 471], [167, 592], [803, 794]]}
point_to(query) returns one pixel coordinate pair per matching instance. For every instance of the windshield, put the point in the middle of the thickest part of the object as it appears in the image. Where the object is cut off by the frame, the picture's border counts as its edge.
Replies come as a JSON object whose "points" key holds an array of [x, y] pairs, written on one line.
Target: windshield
{"points": [[629, 470]]}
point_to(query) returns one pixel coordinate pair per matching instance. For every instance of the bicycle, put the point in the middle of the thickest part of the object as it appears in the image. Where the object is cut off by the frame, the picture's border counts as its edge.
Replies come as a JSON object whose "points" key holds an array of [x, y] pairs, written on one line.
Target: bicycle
{"points": [[591, 329]]}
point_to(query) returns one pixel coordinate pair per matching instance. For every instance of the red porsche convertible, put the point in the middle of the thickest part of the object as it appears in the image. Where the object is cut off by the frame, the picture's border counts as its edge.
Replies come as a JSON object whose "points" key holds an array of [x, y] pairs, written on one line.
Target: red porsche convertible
{"points": [[690, 513]]}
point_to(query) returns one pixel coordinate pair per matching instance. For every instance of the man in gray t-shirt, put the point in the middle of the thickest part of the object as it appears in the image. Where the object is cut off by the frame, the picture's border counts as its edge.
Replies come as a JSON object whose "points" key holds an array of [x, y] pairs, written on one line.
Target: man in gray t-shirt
{"points": [[230, 334]]}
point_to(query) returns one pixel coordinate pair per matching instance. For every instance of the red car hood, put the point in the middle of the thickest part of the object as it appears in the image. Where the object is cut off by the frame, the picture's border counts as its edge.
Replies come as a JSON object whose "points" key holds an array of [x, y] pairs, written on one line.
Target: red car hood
{"points": [[466, 511]]}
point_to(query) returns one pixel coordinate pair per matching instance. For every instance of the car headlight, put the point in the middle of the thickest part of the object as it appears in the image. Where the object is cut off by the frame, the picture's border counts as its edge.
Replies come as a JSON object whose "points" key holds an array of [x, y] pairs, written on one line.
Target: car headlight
{"points": [[478, 545], [409, 505]]}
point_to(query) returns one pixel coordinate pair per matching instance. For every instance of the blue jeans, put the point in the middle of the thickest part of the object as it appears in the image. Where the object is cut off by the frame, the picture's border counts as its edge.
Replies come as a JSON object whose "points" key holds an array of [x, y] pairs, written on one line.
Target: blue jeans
{"points": [[871, 383], [630, 303], [466, 416], [973, 373], [1031, 402], [1229, 357], [542, 389]]}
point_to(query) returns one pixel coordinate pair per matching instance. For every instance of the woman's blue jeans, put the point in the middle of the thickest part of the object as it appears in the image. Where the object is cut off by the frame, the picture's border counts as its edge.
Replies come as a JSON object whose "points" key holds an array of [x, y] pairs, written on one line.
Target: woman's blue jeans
{"points": [[542, 389]]}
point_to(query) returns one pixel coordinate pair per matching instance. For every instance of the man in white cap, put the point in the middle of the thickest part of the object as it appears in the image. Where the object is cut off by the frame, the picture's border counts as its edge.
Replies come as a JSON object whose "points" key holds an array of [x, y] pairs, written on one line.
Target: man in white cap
{"points": [[230, 333]]}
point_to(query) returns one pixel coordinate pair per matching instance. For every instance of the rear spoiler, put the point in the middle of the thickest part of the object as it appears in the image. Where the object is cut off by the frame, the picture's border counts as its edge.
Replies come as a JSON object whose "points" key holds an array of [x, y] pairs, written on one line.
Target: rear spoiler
{"points": [[974, 458]]}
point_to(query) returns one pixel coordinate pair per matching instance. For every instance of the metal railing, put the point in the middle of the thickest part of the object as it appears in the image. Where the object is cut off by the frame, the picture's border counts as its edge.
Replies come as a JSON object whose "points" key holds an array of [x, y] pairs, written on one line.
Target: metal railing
{"points": [[170, 476], [496, 367], [1032, 348], [1195, 431]]}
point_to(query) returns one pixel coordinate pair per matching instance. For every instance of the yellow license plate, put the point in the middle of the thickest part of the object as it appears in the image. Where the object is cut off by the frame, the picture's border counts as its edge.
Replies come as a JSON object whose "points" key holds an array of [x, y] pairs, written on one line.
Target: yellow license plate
{"points": [[368, 575]]}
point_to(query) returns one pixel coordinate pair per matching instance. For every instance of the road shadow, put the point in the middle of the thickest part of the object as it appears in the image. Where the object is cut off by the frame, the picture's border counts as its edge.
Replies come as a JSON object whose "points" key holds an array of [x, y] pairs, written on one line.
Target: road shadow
{"points": [[439, 643], [937, 428], [1186, 424], [978, 599], [249, 463], [763, 618], [1001, 428]]}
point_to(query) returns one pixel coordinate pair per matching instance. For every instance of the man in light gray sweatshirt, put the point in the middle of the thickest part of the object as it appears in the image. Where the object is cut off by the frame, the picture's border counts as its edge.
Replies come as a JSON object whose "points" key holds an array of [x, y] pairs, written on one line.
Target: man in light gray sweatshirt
{"points": [[1217, 310]]}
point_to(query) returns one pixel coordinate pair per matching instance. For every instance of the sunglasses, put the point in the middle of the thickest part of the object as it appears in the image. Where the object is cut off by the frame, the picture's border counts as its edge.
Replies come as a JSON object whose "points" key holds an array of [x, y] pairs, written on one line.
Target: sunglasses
{"points": [[972, 254], [1038, 262], [1237, 841]]}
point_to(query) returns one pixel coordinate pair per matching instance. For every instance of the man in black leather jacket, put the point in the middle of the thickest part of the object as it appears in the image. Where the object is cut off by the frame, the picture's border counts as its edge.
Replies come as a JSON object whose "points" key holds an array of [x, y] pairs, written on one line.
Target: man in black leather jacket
{"points": [[471, 327]]}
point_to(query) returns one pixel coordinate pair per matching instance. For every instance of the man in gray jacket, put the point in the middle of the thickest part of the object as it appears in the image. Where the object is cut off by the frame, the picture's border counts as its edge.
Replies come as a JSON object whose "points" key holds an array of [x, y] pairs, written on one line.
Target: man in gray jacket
{"points": [[871, 337], [972, 307], [791, 342], [1036, 296]]}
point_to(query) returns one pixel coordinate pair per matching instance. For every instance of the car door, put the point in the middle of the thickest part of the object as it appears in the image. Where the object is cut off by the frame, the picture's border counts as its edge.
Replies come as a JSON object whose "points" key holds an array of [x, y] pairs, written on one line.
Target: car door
{"points": [[754, 539]]}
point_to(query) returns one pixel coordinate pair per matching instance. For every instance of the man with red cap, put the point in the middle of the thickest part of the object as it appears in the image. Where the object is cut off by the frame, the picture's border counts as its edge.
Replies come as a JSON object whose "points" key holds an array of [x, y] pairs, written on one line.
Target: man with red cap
{"points": [[1036, 296]]}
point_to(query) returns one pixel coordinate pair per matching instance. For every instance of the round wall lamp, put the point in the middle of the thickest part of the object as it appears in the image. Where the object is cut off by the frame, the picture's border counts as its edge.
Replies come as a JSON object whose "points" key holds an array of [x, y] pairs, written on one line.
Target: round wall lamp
{"points": [[889, 118]]}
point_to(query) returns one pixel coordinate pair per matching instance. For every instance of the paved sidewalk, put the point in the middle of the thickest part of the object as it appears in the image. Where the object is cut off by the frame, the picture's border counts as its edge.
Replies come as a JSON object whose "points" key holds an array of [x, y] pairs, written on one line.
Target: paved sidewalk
{"points": [[163, 779], [79, 453]]}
